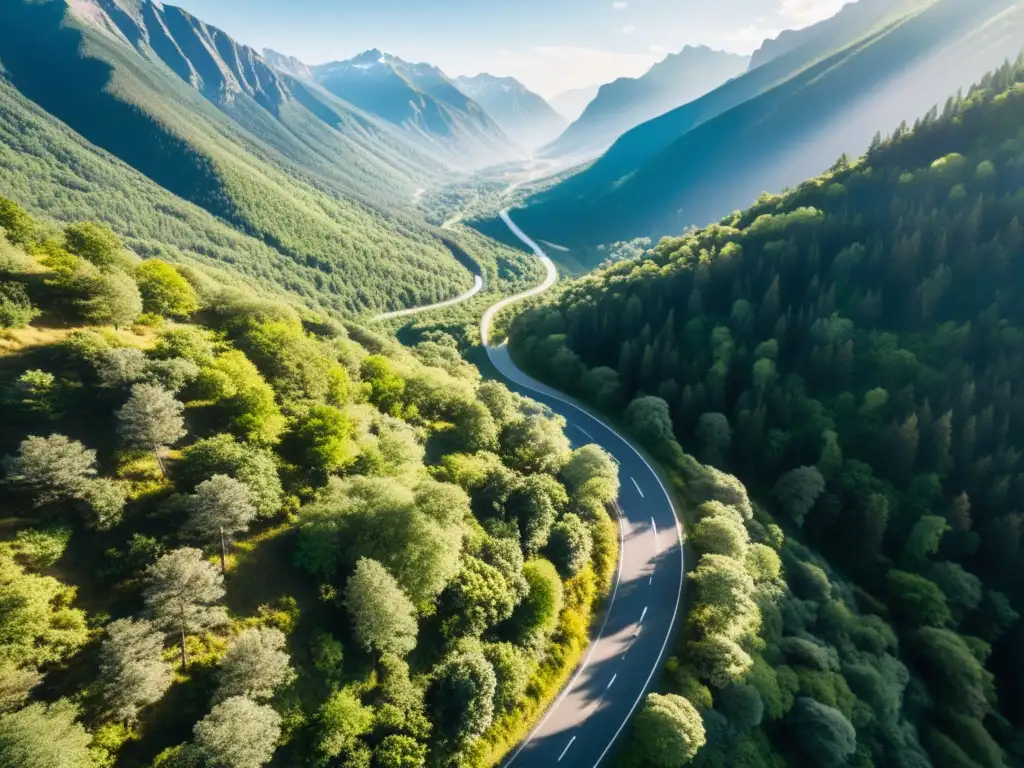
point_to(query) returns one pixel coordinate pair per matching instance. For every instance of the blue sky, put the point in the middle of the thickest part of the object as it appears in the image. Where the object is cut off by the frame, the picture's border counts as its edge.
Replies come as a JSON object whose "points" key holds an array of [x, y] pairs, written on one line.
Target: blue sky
{"points": [[550, 45]]}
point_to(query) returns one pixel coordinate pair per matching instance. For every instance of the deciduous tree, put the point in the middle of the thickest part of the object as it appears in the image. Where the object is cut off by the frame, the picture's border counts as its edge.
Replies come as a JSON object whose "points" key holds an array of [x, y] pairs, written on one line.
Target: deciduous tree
{"points": [[255, 666], [383, 617], [133, 673], [238, 733]]}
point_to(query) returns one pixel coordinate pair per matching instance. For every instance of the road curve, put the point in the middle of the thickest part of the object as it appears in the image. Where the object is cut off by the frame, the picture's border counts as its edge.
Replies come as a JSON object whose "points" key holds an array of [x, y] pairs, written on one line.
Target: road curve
{"points": [[582, 725], [478, 284]]}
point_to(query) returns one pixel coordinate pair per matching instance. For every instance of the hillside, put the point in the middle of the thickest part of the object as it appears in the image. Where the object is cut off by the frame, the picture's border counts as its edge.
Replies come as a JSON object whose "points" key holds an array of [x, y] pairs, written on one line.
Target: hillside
{"points": [[303, 174], [421, 100], [571, 104], [779, 123], [234, 534], [849, 350], [522, 114], [629, 101]]}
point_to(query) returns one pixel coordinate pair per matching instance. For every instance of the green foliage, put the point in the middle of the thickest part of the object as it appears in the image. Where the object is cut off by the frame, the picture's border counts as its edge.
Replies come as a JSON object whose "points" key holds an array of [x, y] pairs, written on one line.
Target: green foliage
{"points": [[668, 731], [477, 599], [104, 297], [570, 545], [238, 732], [536, 443], [383, 617], [823, 733], [164, 291], [379, 519], [38, 624], [252, 466], [461, 695], [45, 736], [537, 615], [323, 440], [256, 665], [132, 671], [16, 310], [151, 419], [96, 243], [182, 594], [50, 468], [245, 398], [857, 328], [343, 719]]}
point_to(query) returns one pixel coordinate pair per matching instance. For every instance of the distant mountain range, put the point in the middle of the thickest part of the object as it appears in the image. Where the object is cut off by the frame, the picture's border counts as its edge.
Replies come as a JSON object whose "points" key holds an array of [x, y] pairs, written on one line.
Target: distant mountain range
{"points": [[526, 117], [570, 104], [418, 98], [821, 94], [629, 101]]}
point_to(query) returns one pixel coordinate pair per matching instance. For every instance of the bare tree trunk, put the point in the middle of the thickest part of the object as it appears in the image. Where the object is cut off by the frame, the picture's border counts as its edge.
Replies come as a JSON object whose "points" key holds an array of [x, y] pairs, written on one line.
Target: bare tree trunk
{"points": [[184, 652], [159, 461], [223, 551]]}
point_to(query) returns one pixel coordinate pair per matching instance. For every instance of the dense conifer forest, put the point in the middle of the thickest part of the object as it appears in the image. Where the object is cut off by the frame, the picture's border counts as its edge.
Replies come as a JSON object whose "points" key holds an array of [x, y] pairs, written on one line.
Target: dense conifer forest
{"points": [[234, 533], [851, 351]]}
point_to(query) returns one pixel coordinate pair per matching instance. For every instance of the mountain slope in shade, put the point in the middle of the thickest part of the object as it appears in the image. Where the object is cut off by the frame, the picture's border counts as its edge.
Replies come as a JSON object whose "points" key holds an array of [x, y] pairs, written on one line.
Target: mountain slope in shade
{"points": [[571, 104], [521, 113], [787, 133], [677, 79], [421, 100]]}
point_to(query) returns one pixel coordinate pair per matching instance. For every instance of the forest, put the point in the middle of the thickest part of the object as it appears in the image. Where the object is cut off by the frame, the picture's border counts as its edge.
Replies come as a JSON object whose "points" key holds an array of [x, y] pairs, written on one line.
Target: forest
{"points": [[237, 533], [833, 378]]}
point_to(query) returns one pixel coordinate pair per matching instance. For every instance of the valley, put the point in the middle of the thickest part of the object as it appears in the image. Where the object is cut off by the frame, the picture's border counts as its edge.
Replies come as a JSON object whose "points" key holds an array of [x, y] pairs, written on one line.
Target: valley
{"points": [[422, 399]]}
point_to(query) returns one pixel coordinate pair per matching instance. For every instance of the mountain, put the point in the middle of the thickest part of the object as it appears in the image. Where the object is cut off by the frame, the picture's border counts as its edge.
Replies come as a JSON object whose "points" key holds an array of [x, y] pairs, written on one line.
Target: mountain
{"points": [[522, 114], [850, 351], [571, 104], [318, 183], [855, 18], [774, 126], [421, 100], [620, 105], [288, 65]]}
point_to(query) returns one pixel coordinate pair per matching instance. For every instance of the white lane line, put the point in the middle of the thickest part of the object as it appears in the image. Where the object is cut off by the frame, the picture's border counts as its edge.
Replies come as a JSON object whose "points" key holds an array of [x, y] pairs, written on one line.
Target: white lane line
{"points": [[654, 525], [485, 337], [611, 681], [585, 433], [637, 486], [642, 615], [650, 580], [566, 748]]}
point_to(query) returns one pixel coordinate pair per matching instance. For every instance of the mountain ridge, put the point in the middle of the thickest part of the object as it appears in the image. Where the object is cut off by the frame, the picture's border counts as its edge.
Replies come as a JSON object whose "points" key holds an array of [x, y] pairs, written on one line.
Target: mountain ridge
{"points": [[629, 101], [524, 115]]}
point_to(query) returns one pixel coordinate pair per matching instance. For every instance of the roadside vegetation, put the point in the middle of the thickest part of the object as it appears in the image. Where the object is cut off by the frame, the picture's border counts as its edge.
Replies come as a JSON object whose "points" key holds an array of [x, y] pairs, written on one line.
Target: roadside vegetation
{"points": [[850, 352], [236, 534]]}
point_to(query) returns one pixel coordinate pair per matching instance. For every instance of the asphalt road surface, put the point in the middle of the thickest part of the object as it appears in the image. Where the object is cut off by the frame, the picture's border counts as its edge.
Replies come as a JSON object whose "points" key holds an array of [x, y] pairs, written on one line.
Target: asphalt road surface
{"points": [[591, 713]]}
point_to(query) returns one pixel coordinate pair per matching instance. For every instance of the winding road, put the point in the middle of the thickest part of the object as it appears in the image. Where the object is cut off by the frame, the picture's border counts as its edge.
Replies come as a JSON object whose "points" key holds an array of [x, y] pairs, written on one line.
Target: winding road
{"points": [[582, 725], [478, 284]]}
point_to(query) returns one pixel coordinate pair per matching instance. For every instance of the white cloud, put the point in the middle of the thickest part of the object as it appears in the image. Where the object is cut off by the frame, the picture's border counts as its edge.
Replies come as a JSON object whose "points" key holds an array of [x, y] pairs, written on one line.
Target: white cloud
{"points": [[629, 29], [553, 69], [620, 6], [801, 13]]}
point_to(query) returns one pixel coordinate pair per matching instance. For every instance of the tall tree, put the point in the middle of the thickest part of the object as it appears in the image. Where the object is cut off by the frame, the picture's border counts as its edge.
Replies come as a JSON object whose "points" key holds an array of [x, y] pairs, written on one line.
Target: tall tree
{"points": [[255, 666], [51, 469], [45, 736], [238, 733], [220, 508], [133, 673], [151, 419], [384, 618], [182, 595]]}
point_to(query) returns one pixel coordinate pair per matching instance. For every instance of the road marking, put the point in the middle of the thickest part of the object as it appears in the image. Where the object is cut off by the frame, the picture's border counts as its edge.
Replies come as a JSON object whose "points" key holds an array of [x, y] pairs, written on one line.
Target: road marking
{"points": [[650, 580], [611, 681], [485, 323], [566, 748], [637, 486], [585, 433], [642, 615]]}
